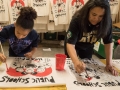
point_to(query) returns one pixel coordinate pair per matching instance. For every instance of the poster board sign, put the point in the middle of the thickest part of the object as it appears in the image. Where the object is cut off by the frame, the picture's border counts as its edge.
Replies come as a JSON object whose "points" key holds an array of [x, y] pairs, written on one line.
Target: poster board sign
{"points": [[39, 72]]}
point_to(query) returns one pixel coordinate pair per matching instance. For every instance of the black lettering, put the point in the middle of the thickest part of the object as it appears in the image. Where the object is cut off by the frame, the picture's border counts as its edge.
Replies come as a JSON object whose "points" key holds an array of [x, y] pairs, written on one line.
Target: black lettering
{"points": [[112, 84], [87, 84], [11, 79], [23, 80], [37, 0], [14, 19], [52, 80], [96, 84], [60, 15], [37, 5], [2, 11], [19, 79], [90, 84], [75, 82], [36, 80], [7, 79], [26, 80], [113, 4], [15, 80], [45, 79], [3, 79], [42, 79], [79, 83], [2, 7], [108, 84], [84, 84], [118, 82], [33, 80]]}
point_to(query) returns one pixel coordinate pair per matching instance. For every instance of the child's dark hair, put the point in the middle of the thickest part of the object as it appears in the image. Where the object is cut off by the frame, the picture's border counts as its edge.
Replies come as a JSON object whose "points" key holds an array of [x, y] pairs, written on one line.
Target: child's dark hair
{"points": [[26, 18]]}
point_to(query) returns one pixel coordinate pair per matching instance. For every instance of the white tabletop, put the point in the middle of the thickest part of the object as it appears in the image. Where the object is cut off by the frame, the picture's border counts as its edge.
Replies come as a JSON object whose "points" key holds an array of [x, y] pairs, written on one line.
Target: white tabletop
{"points": [[47, 75]]}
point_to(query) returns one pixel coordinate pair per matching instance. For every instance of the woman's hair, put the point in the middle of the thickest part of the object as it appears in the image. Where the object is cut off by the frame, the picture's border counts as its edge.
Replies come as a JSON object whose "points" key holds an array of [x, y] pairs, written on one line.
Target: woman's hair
{"points": [[26, 17], [83, 15]]}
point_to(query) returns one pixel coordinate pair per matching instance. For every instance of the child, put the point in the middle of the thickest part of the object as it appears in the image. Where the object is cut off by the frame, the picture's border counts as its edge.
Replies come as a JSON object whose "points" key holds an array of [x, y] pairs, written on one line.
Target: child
{"points": [[21, 36]]}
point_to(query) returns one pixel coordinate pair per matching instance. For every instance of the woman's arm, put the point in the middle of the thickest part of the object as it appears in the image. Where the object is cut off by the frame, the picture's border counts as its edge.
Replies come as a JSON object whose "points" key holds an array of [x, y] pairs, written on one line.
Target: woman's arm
{"points": [[108, 52], [78, 64]]}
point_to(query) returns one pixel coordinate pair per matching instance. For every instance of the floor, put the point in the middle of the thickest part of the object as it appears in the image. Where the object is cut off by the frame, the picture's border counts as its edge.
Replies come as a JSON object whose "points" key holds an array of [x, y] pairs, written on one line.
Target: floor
{"points": [[45, 49]]}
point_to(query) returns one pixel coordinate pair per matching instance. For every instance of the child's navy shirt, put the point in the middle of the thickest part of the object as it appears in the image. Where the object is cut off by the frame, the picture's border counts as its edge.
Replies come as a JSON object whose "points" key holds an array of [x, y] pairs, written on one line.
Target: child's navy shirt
{"points": [[18, 47]]}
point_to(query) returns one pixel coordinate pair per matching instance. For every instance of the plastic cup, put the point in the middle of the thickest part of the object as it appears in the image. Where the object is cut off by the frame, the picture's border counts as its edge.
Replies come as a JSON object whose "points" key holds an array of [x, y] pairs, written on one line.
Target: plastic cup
{"points": [[60, 61]]}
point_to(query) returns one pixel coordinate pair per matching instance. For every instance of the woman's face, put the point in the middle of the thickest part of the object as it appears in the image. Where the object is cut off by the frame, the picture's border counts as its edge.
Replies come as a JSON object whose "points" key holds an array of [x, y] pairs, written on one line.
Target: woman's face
{"points": [[96, 15], [21, 32]]}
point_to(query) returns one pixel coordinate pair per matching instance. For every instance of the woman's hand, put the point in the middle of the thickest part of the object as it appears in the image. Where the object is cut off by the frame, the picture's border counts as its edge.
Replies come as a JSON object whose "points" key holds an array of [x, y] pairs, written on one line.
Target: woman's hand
{"points": [[79, 66], [2, 58], [112, 69]]}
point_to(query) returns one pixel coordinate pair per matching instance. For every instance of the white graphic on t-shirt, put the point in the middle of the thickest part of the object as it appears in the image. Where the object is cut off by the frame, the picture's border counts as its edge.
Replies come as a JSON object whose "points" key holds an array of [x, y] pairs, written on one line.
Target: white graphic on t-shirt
{"points": [[89, 37], [19, 45]]}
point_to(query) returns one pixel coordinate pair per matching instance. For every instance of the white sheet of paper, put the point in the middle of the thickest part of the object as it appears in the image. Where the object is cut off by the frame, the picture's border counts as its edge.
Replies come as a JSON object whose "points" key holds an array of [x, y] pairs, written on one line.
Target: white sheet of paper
{"points": [[42, 72]]}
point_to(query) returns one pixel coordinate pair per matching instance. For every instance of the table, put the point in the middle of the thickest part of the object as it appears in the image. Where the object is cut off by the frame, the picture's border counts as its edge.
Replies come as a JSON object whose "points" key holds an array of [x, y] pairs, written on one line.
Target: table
{"points": [[68, 78]]}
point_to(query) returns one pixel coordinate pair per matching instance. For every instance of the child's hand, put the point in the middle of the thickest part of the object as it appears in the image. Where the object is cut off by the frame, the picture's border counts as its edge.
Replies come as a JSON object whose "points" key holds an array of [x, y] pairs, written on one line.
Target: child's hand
{"points": [[2, 58], [28, 55]]}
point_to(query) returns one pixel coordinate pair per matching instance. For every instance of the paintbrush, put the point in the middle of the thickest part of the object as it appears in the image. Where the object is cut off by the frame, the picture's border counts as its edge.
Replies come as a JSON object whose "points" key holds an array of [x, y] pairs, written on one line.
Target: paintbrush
{"points": [[3, 54], [88, 77], [86, 73]]}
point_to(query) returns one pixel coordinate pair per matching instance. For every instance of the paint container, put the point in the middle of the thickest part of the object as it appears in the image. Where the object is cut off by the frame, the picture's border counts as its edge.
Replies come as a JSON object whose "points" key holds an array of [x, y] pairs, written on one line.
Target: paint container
{"points": [[2, 68], [60, 61], [0, 62]]}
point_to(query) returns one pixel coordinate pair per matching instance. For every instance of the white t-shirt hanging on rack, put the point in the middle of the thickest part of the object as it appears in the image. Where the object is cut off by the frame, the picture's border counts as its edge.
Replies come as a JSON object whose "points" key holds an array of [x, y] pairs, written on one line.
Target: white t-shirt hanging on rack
{"points": [[60, 11], [3, 11], [50, 13], [51, 24], [114, 6], [41, 6], [75, 5], [14, 8]]}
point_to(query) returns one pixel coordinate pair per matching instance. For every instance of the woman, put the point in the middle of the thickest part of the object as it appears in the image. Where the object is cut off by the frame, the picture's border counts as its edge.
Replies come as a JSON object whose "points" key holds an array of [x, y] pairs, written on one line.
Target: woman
{"points": [[88, 25], [21, 35]]}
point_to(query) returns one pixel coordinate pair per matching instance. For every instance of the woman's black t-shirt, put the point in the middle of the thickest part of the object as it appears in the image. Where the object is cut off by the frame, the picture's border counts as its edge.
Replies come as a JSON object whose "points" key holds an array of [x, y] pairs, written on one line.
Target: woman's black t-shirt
{"points": [[84, 40]]}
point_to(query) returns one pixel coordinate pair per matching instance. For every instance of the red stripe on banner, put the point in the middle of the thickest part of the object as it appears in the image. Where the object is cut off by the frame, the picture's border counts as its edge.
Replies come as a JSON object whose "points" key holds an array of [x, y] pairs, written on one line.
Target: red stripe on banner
{"points": [[76, 1], [54, 1], [21, 1], [12, 3]]}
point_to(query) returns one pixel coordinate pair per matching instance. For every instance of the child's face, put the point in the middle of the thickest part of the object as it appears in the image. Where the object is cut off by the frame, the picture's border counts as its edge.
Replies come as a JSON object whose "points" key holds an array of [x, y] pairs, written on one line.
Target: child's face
{"points": [[21, 32]]}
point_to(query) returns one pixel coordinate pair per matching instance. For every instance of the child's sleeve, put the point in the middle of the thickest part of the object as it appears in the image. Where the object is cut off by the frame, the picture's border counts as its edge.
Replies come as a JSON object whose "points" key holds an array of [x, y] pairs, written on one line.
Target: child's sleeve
{"points": [[4, 34], [35, 41]]}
